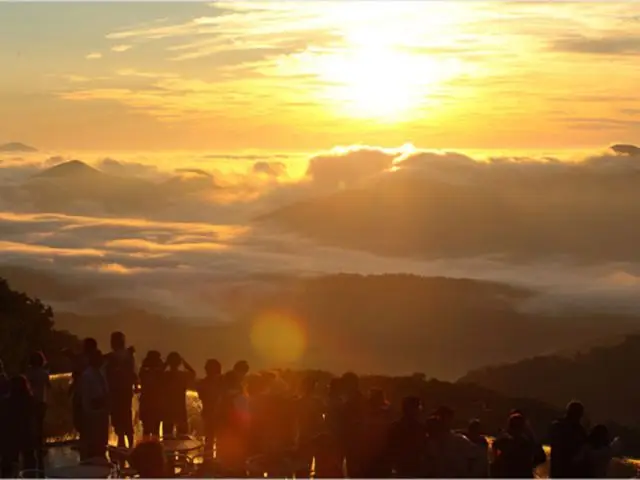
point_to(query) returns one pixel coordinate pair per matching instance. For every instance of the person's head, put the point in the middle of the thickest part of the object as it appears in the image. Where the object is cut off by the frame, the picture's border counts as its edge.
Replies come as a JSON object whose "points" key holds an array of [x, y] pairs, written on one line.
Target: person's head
{"points": [[474, 428], [37, 360], [174, 360], [148, 459], [350, 383], [19, 387], [153, 359], [89, 344], [575, 411], [241, 368], [411, 407], [118, 341], [377, 398], [308, 386], [212, 367], [599, 436], [517, 424], [95, 359], [446, 415]]}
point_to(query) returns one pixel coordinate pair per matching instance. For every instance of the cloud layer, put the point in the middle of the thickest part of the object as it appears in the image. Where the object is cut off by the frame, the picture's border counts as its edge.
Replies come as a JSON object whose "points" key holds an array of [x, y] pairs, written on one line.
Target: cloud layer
{"points": [[193, 243]]}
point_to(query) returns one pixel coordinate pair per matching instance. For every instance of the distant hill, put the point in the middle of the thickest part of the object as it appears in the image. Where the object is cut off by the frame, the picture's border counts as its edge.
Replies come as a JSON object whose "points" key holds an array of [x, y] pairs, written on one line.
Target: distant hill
{"points": [[71, 169], [17, 147], [584, 216], [75, 187], [602, 377], [390, 324]]}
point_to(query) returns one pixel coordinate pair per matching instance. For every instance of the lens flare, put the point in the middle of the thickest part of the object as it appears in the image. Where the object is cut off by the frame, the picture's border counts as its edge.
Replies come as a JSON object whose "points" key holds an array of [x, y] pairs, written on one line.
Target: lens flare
{"points": [[278, 338]]}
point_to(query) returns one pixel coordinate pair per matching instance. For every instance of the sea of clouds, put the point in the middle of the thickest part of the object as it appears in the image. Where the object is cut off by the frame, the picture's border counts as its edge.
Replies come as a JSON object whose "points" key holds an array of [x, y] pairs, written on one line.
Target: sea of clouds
{"points": [[194, 246]]}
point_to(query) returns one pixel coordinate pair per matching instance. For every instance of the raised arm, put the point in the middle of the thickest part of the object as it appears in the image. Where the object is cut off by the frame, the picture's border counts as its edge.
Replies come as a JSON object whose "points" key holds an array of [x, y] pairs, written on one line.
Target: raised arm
{"points": [[190, 372]]}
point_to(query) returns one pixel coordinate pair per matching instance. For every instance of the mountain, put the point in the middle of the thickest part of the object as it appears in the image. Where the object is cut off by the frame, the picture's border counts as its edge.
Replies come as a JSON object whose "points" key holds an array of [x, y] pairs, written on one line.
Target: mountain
{"points": [[73, 169], [581, 216], [390, 324], [75, 187], [17, 147], [601, 377]]}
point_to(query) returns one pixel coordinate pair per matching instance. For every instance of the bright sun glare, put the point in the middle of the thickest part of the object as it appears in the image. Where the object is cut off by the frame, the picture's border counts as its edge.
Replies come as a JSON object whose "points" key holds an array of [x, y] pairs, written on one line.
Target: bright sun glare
{"points": [[383, 84], [382, 69]]}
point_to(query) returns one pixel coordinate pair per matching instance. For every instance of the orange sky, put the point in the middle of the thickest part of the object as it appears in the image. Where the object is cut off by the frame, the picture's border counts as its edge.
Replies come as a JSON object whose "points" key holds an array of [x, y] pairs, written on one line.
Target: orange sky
{"points": [[307, 75]]}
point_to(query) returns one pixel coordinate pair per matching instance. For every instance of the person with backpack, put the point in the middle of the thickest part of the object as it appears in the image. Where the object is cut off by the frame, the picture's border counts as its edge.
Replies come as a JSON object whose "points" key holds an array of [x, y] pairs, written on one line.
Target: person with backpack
{"points": [[120, 370]]}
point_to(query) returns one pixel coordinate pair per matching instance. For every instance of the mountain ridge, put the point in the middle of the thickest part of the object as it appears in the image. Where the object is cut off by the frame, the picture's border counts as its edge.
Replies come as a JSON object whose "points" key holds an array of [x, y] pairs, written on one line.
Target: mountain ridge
{"points": [[17, 147]]}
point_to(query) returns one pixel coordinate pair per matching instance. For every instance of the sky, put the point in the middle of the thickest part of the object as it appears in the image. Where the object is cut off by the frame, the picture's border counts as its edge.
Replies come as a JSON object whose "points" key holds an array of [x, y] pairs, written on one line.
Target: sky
{"points": [[233, 75]]}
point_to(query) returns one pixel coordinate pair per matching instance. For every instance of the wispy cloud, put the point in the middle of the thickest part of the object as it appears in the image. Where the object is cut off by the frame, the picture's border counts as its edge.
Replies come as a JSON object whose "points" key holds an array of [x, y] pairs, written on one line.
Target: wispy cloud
{"points": [[454, 71], [93, 56], [121, 48]]}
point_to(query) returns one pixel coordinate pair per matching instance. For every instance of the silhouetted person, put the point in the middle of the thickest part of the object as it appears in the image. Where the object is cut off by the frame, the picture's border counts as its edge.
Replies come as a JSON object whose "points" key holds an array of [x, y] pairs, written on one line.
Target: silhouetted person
{"points": [[377, 421], [406, 442], [272, 415], [235, 425], [474, 434], [241, 368], [309, 421], [80, 362], [94, 393], [598, 452], [19, 427], [176, 382], [352, 425], [334, 406], [210, 393], [149, 460], [121, 376], [151, 393], [38, 376], [309, 411], [515, 453], [567, 440], [450, 452]]}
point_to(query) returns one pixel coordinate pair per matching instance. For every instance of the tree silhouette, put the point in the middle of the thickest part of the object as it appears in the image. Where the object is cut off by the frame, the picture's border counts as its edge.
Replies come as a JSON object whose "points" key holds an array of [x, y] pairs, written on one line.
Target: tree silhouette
{"points": [[26, 325]]}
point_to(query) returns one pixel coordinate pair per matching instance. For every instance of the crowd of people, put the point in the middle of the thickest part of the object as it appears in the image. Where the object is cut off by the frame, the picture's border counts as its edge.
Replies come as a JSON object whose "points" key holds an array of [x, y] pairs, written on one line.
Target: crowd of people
{"points": [[341, 431]]}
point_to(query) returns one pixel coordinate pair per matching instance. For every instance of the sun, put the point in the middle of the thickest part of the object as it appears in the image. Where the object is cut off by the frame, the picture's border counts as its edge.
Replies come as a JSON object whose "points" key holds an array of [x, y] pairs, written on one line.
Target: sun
{"points": [[391, 62], [383, 72], [379, 83]]}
